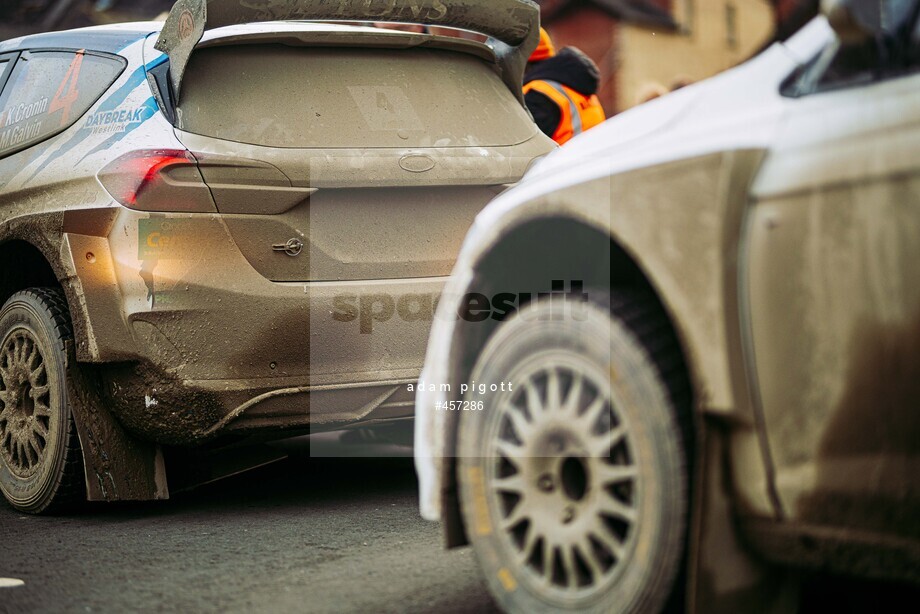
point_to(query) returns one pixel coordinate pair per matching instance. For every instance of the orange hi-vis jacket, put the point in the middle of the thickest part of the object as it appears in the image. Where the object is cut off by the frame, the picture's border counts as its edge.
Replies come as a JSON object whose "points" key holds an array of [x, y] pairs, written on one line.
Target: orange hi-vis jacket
{"points": [[579, 112]]}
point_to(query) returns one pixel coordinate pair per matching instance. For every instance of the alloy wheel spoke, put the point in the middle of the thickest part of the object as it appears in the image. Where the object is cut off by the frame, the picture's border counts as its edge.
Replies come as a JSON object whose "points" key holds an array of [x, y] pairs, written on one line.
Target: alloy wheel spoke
{"points": [[519, 423], [509, 450], [24, 349], [612, 506], [534, 402], [591, 415], [516, 517], [601, 445], [513, 483], [586, 550], [17, 349], [568, 565], [38, 392], [553, 390], [611, 474], [25, 346], [530, 542], [34, 355], [609, 542], [574, 395], [39, 427], [42, 409], [24, 454], [549, 556], [36, 446]]}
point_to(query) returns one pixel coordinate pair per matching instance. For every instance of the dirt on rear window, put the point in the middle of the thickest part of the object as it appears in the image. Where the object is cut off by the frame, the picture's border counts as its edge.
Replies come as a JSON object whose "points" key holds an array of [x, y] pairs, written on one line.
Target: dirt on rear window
{"points": [[286, 96]]}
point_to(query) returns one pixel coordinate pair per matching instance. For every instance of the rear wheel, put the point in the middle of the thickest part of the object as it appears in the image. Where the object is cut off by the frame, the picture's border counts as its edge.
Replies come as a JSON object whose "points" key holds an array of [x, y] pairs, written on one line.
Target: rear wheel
{"points": [[573, 484], [41, 468]]}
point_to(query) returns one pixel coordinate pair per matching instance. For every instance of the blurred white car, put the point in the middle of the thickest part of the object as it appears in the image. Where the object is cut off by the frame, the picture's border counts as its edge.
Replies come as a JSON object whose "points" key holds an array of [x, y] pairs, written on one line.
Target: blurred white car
{"points": [[747, 356]]}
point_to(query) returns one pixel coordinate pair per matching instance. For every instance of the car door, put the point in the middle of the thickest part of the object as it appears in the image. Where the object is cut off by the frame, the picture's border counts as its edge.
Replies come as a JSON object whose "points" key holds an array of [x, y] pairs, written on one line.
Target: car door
{"points": [[833, 246]]}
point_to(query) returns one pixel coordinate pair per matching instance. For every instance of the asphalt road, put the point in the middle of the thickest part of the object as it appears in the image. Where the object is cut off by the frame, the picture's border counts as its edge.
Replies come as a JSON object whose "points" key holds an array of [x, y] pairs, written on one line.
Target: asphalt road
{"points": [[312, 533], [303, 535]]}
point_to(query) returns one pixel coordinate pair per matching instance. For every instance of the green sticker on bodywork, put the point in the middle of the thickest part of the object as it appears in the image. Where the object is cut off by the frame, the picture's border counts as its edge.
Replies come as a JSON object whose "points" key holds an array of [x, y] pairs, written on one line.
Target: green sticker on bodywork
{"points": [[154, 238]]}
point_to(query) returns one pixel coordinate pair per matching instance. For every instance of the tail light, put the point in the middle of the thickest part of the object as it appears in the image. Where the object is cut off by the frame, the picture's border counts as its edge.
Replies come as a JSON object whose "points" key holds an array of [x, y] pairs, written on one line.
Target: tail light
{"points": [[166, 180]]}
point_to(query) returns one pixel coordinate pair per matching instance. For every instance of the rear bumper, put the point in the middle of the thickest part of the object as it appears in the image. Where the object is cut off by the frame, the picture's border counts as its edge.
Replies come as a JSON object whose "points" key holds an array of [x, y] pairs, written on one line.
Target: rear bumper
{"points": [[320, 407], [203, 344], [157, 407]]}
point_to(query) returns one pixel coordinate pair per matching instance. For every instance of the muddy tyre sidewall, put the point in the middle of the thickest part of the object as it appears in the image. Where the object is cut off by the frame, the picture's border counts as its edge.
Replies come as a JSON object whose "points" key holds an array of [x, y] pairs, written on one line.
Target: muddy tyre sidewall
{"points": [[646, 580], [33, 493]]}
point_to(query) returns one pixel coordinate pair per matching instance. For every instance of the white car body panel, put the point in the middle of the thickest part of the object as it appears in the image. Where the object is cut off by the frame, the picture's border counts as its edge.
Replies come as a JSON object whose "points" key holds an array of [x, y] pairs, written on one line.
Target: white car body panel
{"points": [[739, 109]]}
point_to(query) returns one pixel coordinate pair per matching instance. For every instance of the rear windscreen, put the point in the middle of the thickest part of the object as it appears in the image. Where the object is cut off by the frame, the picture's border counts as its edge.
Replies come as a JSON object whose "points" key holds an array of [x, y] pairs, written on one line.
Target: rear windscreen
{"points": [[281, 96]]}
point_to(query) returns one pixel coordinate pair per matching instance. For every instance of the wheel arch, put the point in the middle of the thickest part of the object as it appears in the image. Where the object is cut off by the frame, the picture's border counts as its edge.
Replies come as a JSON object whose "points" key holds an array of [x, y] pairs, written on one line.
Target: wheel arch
{"points": [[590, 253], [29, 258], [117, 465], [22, 266]]}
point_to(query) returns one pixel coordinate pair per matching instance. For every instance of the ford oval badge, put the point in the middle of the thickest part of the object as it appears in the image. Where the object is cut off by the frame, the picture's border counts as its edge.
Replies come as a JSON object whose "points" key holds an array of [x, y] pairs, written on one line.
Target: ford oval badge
{"points": [[416, 163]]}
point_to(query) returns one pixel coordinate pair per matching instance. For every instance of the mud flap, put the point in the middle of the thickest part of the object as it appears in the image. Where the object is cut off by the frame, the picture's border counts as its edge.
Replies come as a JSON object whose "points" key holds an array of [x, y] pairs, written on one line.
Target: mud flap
{"points": [[118, 466], [724, 575]]}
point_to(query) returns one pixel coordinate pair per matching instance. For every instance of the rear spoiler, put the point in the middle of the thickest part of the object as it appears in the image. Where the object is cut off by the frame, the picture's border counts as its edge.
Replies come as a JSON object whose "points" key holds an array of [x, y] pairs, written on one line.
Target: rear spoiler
{"points": [[513, 24]]}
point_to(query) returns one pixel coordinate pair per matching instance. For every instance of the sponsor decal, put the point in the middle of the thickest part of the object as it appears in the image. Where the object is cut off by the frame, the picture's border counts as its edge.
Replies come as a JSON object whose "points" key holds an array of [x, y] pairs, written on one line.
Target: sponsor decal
{"points": [[186, 24], [411, 10], [22, 123], [386, 107], [14, 137], [117, 120], [157, 238], [23, 112], [120, 130], [114, 101], [67, 93], [477, 482]]}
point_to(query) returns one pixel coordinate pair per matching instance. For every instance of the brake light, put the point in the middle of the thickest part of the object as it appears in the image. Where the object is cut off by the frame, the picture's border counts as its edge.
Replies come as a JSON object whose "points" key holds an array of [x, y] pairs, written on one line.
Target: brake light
{"points": [[166, 180]]}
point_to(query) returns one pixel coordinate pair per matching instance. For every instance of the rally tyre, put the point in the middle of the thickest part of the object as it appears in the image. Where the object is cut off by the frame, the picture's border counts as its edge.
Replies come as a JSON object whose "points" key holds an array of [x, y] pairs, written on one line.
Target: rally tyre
{"points": [[41, 468], [573, 486]]}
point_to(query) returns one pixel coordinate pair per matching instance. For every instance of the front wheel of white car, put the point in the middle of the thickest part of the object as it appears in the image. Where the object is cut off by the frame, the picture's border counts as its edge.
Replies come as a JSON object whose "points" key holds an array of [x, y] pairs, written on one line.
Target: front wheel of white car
{"points": [[573, 481]]}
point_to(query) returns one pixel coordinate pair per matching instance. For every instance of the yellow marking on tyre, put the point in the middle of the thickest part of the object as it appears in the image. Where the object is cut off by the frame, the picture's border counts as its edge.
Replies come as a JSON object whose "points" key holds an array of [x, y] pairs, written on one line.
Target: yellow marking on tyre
{"points": [[507, 579], [480, 506]]}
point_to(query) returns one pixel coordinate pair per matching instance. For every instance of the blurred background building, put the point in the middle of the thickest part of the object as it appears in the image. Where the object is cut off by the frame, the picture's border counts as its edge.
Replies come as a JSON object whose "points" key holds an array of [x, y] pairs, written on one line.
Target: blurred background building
{"points": [[643, 47], [648, 46]]}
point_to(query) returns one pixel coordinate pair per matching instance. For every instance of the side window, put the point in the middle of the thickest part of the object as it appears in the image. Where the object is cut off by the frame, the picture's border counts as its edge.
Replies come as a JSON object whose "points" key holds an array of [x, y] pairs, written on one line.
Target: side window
{"points": [[914, 51], [4, 64], [854, 64], [888, 54], [48, 91]]}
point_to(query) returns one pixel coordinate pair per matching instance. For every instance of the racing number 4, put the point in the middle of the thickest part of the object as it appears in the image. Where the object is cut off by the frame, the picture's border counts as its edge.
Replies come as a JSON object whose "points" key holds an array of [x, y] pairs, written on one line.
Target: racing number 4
{"points": [[67, 92]]}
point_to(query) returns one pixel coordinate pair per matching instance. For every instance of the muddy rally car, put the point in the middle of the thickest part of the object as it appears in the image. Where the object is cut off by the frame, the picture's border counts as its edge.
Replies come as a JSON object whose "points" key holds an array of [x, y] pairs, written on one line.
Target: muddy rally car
{"points": [[713, 374], [233, 226]]}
